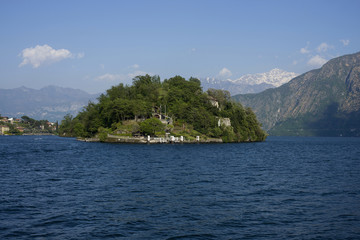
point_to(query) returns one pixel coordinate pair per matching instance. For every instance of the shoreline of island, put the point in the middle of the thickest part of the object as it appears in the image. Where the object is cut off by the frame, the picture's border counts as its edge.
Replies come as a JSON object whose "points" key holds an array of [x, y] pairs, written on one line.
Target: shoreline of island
{"points": [[156, 140]]}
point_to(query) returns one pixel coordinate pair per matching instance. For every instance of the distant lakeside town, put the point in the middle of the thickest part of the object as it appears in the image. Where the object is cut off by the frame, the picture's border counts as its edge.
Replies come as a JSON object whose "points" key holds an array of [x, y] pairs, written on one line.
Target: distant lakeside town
{"points": [[26, 126]]}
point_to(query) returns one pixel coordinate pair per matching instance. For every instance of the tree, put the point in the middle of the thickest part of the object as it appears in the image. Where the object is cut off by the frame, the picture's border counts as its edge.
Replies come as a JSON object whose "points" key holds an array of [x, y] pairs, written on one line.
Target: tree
{"points": [[151, 126], [30, 121], [222, 96], [114, 92], [66, 127], [79, 129]]}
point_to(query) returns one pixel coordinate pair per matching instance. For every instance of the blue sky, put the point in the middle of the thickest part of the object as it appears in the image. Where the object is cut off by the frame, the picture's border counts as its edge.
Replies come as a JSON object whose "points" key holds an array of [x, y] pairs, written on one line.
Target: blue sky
{"points": [[92, 45]]}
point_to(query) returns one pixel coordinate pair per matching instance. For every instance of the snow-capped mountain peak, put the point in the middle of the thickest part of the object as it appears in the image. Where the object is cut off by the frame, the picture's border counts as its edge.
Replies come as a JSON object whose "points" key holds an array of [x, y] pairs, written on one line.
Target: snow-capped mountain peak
{"points": [[275, 77], [250, 83]]}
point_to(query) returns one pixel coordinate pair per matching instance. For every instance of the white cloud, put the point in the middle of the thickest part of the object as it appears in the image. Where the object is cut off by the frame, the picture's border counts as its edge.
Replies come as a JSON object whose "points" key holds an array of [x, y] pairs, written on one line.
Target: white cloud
{"points": [[45, 54], [125, 78], [305, 50], [225, 73], [135, 66], [323, 47], [317, 61], [80, 55], [110, 77], [137, 73], [345, 42]]}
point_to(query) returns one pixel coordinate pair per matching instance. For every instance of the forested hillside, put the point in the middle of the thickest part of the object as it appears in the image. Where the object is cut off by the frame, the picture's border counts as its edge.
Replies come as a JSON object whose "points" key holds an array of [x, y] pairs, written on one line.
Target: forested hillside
{"points": [[176, 106], [321, 102]]}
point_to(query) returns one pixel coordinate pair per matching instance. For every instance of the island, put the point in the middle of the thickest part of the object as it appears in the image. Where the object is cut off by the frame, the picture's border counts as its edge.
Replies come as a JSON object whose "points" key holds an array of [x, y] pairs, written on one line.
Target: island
{"points": [[175, 110]]}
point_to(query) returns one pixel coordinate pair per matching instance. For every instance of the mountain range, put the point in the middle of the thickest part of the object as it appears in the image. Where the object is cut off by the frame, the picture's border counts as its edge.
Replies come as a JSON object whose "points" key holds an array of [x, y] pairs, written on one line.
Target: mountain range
{"points": [[250, 83], [51, 102], [321, 102]]}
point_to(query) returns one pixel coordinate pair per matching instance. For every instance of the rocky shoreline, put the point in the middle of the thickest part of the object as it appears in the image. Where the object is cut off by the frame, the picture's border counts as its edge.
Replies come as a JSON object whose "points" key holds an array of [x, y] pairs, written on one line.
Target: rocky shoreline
{"points": [[150, 140]]}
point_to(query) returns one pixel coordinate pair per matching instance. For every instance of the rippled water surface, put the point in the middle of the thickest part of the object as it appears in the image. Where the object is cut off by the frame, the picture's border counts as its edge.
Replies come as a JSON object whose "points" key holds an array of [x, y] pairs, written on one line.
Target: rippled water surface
{"points": [[284, 188]]}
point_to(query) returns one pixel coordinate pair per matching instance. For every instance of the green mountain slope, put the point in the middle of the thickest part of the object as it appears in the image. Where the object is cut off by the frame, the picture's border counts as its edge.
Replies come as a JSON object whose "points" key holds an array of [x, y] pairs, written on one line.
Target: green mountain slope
{"points": [[321, 102]]}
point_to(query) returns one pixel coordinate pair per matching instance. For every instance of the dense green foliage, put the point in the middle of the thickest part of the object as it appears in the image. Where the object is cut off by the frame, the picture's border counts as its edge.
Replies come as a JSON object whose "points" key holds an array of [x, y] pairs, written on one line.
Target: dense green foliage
{"points": [[130, 110], [151, 126]]}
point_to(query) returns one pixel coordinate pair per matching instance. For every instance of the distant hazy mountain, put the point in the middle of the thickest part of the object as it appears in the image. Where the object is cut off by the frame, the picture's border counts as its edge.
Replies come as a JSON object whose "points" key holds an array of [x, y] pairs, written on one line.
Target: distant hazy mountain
{"points": [[250, 83], [51, 103], [322, 102]]}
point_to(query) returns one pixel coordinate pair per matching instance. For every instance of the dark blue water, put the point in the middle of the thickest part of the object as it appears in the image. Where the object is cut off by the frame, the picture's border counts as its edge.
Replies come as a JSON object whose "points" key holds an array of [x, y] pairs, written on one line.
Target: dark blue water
{"points": [[284, 188]]}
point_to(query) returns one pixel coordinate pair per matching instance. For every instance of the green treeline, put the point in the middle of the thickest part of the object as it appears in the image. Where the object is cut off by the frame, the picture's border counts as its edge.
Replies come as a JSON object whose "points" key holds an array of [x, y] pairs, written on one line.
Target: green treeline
{"points": [[182, 106], [27, 125]]}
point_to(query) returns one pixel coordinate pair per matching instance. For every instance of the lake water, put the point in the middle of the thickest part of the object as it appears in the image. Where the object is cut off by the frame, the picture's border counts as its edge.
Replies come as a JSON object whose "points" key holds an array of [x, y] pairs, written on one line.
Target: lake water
{"points": [[284, 188]]}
